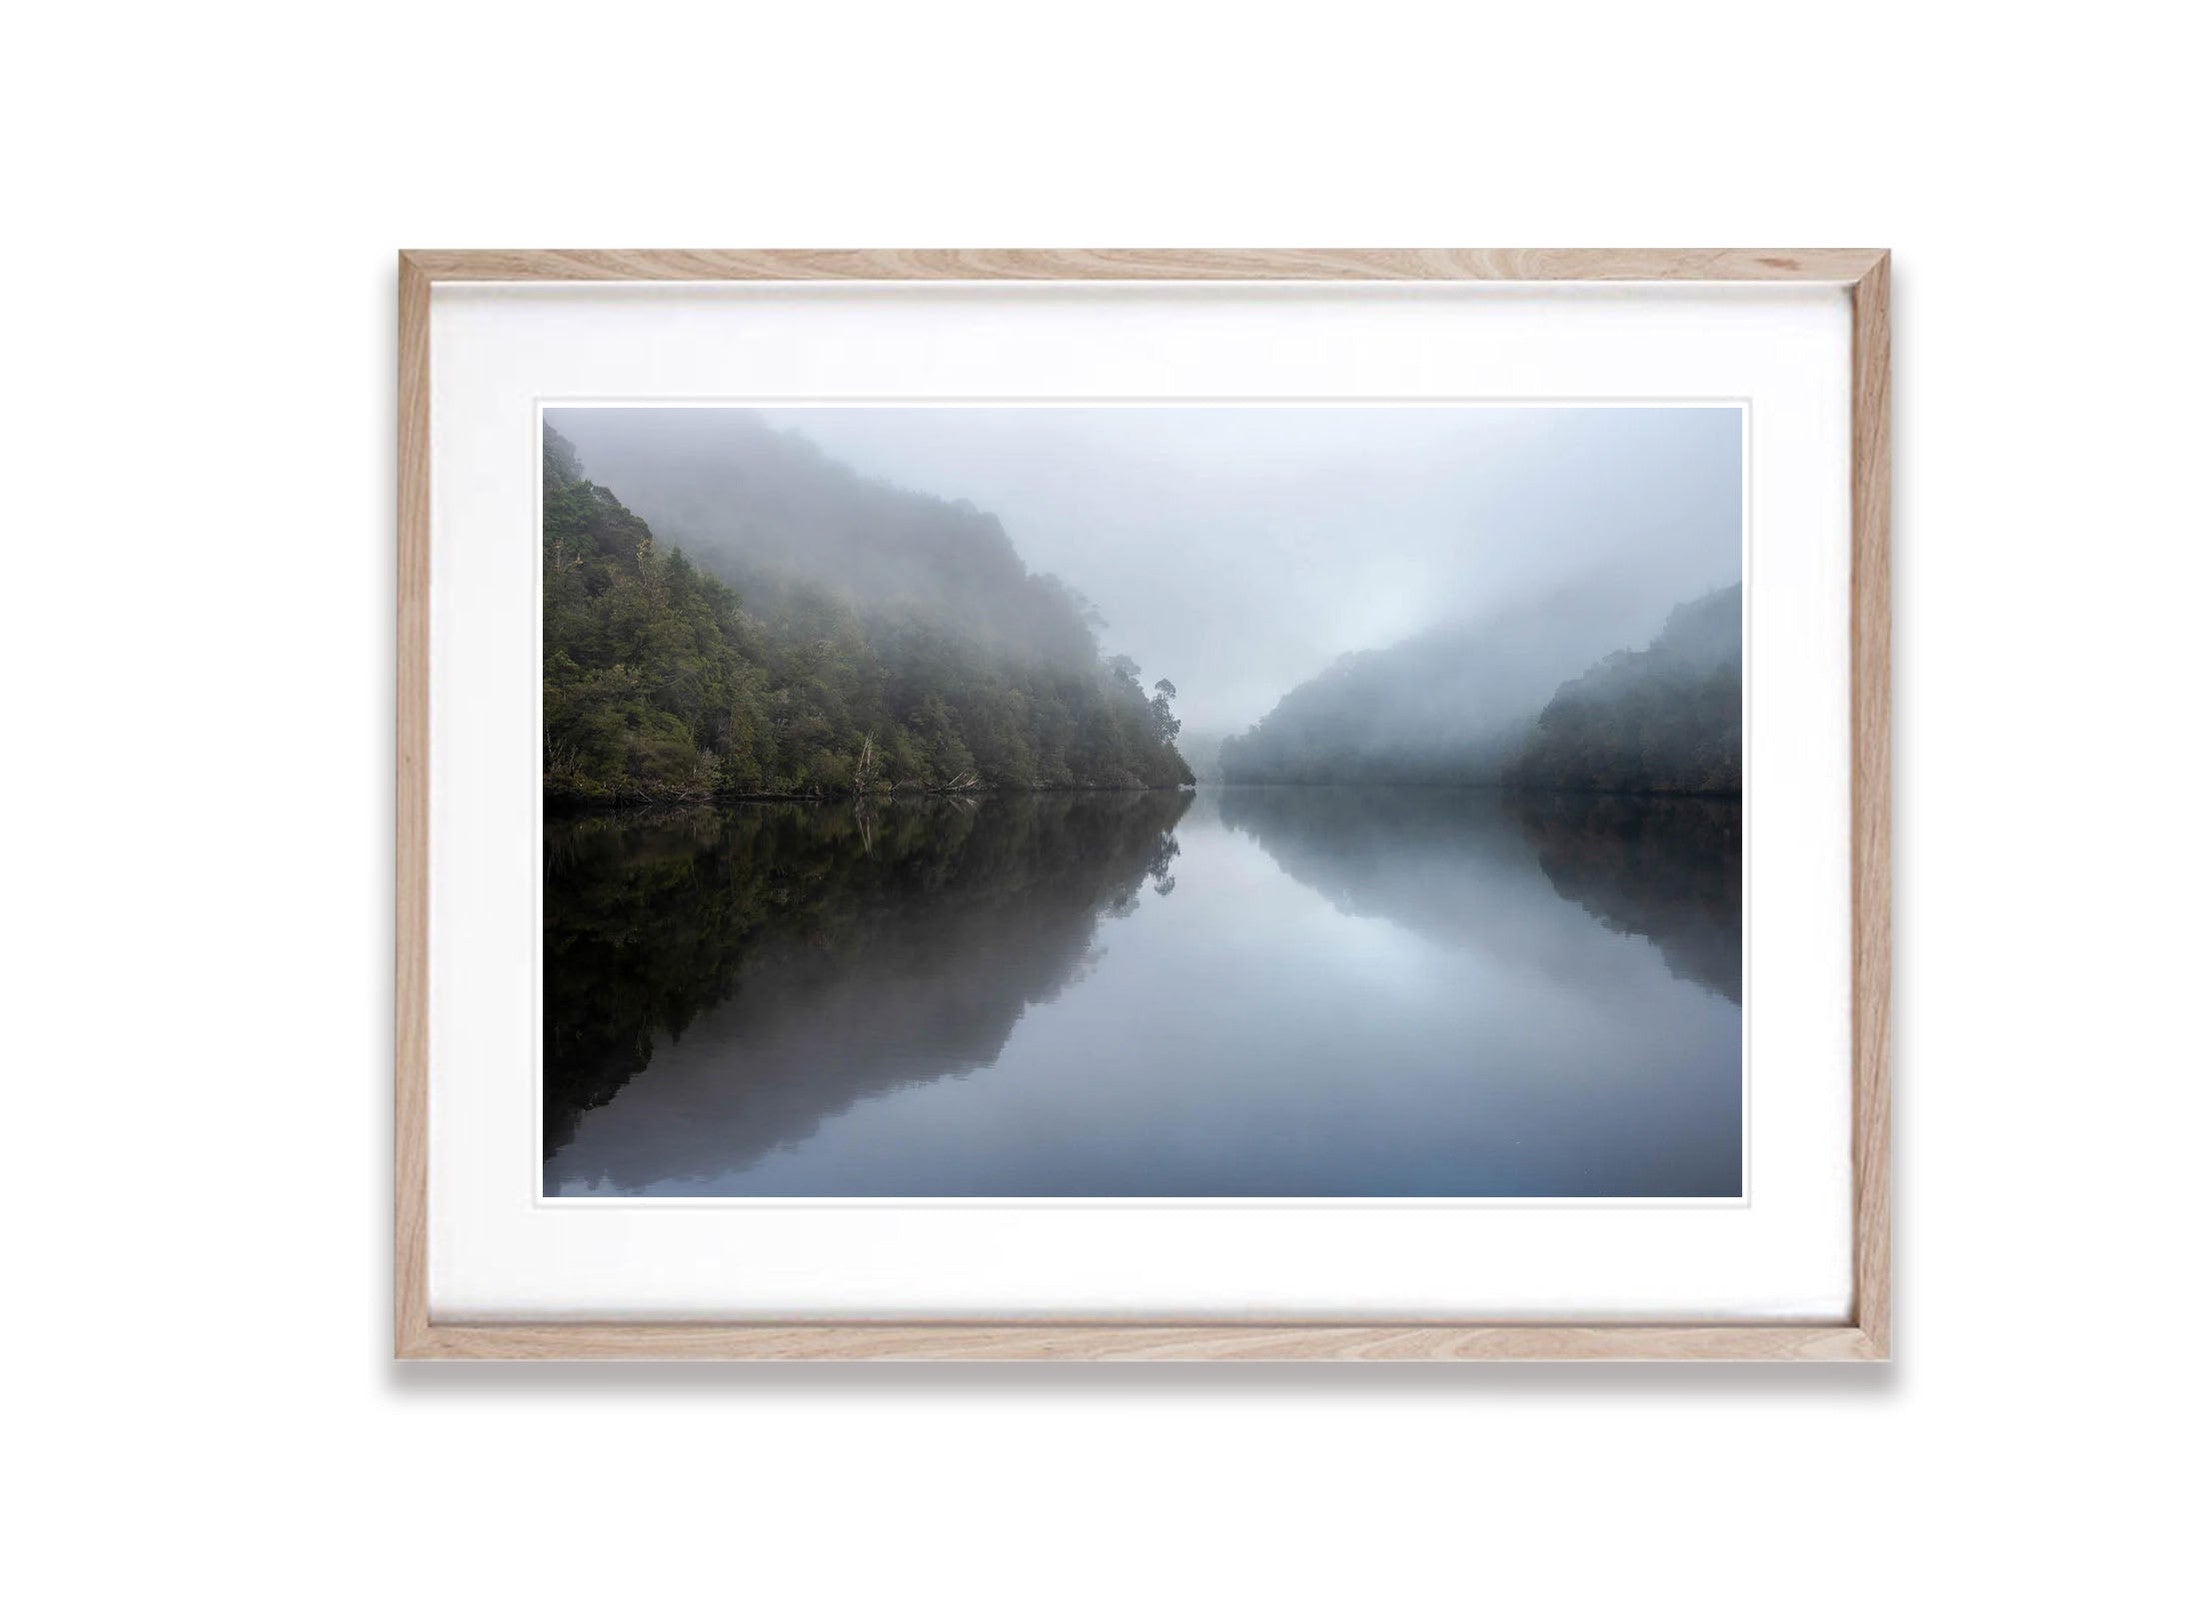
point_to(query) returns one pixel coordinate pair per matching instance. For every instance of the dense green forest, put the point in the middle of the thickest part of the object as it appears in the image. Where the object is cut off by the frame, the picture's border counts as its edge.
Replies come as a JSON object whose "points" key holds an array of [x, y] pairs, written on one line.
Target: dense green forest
{"points": [[914, 652], [1498, 703], [1450, 706], [1661, 720]]}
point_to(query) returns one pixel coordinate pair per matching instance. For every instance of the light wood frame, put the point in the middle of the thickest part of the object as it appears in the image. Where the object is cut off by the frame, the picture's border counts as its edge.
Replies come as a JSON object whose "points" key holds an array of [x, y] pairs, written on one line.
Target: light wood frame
{"points": [[1864, 1335]]}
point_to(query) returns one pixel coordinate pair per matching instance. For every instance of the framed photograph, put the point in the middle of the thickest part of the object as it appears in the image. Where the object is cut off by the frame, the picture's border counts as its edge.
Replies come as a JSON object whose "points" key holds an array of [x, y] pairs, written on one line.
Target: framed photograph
{"points": [[1249, 804]]}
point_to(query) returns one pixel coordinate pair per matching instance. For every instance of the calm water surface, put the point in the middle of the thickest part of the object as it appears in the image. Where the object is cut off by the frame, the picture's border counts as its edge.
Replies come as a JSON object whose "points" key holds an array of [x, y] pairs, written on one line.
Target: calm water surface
{"points": [[1248, 992]]}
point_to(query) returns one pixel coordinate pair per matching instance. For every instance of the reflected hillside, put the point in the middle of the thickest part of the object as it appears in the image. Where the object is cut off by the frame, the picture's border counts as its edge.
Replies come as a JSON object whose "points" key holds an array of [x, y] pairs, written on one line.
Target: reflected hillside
{"points": [[1474, 868], [716, 983], [1445, 863], [1666, 868]]}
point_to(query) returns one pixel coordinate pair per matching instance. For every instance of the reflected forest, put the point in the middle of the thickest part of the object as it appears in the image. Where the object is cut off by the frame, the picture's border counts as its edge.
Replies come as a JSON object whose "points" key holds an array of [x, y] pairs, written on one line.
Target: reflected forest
{"points": [[885, 857]]}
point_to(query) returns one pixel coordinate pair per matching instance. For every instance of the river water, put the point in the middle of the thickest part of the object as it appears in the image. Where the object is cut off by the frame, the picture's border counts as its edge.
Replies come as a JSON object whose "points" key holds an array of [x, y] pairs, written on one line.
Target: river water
{"points": [[1248, 992]]}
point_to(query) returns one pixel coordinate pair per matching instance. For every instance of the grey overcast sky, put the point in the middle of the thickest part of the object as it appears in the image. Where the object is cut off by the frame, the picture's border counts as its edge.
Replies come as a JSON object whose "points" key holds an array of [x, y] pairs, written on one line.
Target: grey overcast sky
{"points": [[1240, 550]]}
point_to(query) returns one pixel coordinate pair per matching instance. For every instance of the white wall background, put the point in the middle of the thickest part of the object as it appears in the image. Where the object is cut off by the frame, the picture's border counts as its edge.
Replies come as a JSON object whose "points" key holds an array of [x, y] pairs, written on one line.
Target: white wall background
{"points": [[197, 626]]}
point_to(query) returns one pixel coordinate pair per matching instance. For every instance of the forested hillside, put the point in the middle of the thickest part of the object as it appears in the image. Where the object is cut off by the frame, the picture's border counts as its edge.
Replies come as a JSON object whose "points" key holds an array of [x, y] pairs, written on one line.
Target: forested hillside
{"points": [[826, 635], [1449, 707], [1661, 720], [1499, 704], [768, 511]]}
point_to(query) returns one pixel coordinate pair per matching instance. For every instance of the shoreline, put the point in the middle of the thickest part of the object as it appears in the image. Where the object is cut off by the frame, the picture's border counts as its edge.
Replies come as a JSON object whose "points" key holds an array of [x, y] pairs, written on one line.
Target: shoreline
{"points": [[564, 806], [558, 805]]}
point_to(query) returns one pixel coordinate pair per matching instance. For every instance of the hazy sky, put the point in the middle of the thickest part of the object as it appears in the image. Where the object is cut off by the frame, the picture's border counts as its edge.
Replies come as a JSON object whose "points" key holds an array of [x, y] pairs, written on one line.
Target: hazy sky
{"points": [[1238, 551]]}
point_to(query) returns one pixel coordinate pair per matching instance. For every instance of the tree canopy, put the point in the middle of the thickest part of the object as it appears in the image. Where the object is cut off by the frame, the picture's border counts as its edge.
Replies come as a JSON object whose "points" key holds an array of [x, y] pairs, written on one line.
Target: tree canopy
{"points": [[663, 681], [1505, 703], [1661, 720]]}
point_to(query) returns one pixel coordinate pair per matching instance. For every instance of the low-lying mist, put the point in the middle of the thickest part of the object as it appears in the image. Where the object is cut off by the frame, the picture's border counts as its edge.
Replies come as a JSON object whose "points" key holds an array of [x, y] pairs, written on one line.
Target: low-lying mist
{"points": [[1238, 550]]}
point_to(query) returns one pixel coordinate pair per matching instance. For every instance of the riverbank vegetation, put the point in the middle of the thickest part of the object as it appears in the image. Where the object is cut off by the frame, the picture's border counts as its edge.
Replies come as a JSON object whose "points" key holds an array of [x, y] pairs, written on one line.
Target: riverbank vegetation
{"points": [[663, 681], [1660, 720], [1506, 704]]}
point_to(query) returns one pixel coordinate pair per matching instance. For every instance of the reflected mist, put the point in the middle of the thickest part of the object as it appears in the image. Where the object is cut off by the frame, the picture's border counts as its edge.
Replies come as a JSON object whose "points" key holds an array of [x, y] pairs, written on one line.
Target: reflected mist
{"points": [[1260, 992]]}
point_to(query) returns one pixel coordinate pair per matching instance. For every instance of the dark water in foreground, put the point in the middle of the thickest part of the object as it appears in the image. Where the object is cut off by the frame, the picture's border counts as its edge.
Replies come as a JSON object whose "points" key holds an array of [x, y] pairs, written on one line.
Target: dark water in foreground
{"points": [[1250, 992]]}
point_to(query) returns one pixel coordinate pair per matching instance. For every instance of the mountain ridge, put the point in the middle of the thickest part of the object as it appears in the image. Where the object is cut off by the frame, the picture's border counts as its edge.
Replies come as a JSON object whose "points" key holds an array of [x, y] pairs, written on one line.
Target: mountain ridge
{"points": [[1507, 704], [670, 676]]}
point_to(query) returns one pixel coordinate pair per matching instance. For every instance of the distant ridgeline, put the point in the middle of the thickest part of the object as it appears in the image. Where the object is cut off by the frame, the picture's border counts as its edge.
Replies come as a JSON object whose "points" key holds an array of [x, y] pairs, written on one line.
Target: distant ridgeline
{"points": [[814, 633], [1665, 720], [1478, 707]]}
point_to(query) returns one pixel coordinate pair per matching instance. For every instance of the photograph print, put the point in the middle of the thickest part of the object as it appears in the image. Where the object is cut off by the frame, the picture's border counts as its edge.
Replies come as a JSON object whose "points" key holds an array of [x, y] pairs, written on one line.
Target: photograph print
{"points": [[1227, 802]]}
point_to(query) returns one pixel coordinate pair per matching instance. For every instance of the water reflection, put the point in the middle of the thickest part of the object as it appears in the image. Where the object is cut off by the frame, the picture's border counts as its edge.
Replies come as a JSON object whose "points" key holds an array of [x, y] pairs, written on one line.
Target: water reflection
{"points": [[1265, 992], [866, 948], [1666, 868], [1462, 866]]}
